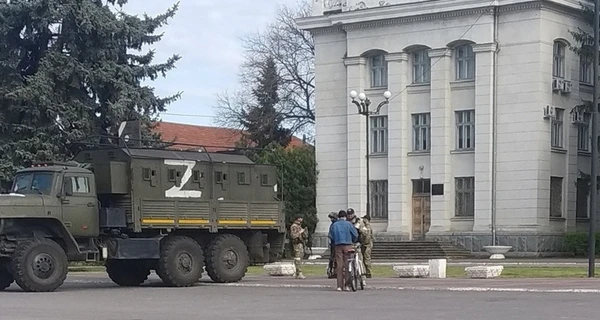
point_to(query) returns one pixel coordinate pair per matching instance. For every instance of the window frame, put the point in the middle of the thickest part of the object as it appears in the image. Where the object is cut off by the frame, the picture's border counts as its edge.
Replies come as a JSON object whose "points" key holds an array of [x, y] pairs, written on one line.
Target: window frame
{"points": [[378, 130], [586, 70], [421, 125], [421, 67], [464, 197], [462, 127], [378, 71], [559, 52], [583, 133], [465, 62], [556, 198], [379, 193], [557, 129]]}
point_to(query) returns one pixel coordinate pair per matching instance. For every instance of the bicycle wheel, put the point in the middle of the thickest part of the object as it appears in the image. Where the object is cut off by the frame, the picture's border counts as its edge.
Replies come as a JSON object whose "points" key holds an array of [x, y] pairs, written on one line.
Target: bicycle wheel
{"points": [[355, 276], [359, 275], [351, 277]]}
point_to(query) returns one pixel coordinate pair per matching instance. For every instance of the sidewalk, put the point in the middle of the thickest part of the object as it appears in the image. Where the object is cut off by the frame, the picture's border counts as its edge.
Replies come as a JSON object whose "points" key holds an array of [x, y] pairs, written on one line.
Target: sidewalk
{"points": [[582, 285], [542, 262]]}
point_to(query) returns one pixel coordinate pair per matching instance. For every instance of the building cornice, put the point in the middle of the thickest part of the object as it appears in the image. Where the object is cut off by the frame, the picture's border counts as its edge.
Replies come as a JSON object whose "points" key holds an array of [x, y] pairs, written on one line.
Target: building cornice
{"points": [[396, 56], [354, 61], [484, 47], [439, 52], [426, 11]]}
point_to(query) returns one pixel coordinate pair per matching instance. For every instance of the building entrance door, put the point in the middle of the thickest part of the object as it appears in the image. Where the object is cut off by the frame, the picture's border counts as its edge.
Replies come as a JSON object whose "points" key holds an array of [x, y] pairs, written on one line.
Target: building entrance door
{"points": [[421, 208]]}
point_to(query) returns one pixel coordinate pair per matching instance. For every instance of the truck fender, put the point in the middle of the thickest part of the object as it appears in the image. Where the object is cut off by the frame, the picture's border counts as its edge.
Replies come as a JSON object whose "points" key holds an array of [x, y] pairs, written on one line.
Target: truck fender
{"points": [[43, 228]]}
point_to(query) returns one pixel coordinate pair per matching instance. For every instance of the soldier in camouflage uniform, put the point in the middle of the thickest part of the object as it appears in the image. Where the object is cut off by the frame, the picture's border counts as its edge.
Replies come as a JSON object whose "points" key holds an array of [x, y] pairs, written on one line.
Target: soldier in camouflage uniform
{"points": [[360, 226], [367, 245], [299, 236]]}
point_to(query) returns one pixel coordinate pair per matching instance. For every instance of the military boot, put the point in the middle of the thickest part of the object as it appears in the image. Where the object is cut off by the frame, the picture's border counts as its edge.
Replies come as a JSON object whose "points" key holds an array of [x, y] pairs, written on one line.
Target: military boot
{"points": [[300, 276]]}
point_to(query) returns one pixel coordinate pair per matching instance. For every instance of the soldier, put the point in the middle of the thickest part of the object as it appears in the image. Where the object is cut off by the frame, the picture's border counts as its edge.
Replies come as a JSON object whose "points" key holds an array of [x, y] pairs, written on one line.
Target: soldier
{"points": [[299, 236], [367, 245], [360, 226], [333, 217]]}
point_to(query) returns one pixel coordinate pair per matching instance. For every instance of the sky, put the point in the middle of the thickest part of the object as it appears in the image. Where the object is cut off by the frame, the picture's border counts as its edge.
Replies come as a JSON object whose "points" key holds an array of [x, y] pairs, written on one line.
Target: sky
{"points": [[206, 33]]}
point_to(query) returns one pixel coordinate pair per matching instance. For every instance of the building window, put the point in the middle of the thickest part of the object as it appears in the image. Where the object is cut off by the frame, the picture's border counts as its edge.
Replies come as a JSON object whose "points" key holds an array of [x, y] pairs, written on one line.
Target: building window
{"points": [[586, 71], [379, 135], [421, 131], [379, 199], [465, 62], [556, 197], [583, 191], [465, 197], [422, 186], [465, 130], [583, 133], [557, 129], [558, 68], [421, 67], [378, 71]]}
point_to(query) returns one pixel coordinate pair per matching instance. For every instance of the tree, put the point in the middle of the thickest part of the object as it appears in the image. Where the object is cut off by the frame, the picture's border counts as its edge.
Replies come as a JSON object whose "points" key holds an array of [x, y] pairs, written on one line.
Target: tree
{"points": [[297, 180], [584, 47], [70, 70], [262, 123], [293, 51]]}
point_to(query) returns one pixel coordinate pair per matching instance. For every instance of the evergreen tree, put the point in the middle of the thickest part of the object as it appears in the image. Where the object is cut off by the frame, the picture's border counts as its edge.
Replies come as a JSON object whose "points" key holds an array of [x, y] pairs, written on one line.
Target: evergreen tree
{"points": [[70, 70], [262, 123]]}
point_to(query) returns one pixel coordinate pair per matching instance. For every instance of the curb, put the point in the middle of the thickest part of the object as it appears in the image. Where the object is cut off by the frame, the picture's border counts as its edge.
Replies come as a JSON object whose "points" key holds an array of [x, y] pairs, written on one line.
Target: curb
{"points": [[449, 289]]}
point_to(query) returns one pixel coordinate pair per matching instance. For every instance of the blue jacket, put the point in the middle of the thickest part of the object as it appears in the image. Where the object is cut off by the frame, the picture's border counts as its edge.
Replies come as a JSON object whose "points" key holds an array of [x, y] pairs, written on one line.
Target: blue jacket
{"points": [[342, 232]]}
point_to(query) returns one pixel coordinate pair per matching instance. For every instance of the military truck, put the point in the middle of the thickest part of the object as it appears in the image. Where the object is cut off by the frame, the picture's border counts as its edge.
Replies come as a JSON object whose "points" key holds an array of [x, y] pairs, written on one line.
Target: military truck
{"points": [[140, 209]]}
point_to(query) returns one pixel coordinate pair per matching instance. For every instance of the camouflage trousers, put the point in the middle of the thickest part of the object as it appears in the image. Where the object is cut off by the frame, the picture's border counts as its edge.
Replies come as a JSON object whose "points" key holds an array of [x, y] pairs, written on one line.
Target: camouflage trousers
{"points": [[366, 253], [298, 255]]}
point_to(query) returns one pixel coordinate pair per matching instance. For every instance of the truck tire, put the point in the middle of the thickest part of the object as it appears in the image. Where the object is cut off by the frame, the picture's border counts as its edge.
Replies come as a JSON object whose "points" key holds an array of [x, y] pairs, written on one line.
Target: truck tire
{"points": [[127, 273], [181, 261], [227, 259], [6, 279], [39, 265]]}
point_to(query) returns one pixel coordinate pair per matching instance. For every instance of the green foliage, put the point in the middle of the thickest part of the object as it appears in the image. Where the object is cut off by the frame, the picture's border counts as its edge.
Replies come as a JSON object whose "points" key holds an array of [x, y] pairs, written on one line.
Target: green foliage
{"points": [[262, 122], [297, 182], [70, 70], [577, 243]]}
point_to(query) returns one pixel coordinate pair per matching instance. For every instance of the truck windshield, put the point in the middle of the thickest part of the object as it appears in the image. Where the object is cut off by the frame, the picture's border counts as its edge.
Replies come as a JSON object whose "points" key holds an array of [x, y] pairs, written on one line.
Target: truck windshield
{"points": [[33, 183]]}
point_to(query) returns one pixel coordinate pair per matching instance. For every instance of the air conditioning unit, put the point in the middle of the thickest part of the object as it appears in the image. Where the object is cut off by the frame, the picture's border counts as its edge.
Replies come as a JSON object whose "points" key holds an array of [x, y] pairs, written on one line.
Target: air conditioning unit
{"points": [[556, 84], [549, 112], [578, 117], [567, 86]]}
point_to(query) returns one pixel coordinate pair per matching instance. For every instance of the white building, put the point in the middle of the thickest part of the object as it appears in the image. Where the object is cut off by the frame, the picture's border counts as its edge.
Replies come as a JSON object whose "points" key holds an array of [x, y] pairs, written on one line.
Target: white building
{"points": [[468, 77]]}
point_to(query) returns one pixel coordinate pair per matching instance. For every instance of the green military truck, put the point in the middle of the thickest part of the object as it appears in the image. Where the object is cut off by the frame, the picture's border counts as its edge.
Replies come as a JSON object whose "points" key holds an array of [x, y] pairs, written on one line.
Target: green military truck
{"points": [[140, 209]]}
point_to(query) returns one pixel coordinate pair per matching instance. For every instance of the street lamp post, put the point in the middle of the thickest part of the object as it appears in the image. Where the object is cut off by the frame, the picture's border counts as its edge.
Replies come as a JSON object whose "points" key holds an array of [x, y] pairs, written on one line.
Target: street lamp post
{"points": [[363, 104]]}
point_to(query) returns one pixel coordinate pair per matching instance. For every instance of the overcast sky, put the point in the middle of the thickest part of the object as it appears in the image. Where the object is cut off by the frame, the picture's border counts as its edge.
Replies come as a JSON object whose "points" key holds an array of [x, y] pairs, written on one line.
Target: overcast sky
{"points": [[206, 34]]}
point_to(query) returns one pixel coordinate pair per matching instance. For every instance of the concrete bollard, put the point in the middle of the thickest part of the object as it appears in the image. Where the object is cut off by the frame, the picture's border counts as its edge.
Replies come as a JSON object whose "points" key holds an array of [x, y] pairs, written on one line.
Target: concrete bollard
{"points": [[437, 268]]}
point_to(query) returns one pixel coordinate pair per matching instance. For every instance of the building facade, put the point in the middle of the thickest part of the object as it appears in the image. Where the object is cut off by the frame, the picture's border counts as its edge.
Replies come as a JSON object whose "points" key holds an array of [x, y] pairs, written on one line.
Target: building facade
{"points": [[481, 122]]}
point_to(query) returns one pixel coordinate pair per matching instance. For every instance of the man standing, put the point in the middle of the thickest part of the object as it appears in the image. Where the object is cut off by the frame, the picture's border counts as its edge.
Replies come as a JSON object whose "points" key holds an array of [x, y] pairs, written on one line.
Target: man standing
{"points": [[333, 217], [342, 235], [360, 227], [367, 244], [299, 236]]}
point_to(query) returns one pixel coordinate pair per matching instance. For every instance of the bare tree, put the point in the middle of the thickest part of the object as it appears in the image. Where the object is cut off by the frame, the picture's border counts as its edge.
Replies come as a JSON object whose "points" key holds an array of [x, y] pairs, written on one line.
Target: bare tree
{"points": [[294, 51]]}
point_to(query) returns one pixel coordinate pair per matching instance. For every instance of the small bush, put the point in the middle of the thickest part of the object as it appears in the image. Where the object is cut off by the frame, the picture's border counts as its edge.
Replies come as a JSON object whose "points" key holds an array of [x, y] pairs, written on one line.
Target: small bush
{"points": [[577, 243]]}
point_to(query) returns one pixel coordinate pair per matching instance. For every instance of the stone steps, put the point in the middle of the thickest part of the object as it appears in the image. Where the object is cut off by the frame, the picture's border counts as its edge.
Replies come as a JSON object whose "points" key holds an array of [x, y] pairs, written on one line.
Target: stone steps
{"points": [[399, 250]]}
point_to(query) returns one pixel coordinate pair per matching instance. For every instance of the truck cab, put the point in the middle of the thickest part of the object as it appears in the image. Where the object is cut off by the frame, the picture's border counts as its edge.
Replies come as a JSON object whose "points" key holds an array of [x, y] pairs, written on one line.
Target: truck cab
{"points": [[63, 192]]}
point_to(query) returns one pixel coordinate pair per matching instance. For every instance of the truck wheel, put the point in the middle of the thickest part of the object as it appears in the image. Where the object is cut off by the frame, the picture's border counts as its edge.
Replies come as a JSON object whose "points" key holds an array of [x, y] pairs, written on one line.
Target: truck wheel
{"points": [[127, 273], [227, 259], [39, 265], [6, 279], [181, 261]]}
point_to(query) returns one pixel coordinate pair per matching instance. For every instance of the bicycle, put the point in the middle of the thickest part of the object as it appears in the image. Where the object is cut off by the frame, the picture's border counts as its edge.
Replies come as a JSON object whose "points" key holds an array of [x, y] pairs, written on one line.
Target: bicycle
{"points": [[354, 271]]}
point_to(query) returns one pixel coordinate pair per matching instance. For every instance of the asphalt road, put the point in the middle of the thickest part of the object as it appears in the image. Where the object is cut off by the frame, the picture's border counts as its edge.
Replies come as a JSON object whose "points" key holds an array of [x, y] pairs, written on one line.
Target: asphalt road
{"points": [[93, 297]]}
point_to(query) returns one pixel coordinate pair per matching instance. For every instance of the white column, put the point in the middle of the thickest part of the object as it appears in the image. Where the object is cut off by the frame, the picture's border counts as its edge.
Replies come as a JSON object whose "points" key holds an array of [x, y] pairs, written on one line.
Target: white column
{"points": [[442, 206], [399, 217], [356, 150], [484, 74]]}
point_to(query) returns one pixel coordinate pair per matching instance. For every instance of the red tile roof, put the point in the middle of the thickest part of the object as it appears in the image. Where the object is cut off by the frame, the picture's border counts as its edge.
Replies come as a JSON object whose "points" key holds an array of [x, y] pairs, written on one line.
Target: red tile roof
{"points": [[215, 137]]}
